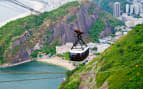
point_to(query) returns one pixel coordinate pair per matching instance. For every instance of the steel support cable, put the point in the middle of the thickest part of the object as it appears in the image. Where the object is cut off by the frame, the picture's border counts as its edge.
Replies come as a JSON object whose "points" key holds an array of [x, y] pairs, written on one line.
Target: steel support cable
{"points": [[32, 73], [46, 78], [9, 81]]}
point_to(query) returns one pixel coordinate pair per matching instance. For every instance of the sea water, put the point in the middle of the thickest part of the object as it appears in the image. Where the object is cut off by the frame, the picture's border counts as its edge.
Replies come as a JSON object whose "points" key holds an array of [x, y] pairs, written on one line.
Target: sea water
{"points": [[32, 84]]}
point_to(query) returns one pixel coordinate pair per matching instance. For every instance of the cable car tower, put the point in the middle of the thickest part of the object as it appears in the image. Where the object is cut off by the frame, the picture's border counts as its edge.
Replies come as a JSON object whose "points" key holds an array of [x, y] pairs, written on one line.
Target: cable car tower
{"points": [[79, 50]]}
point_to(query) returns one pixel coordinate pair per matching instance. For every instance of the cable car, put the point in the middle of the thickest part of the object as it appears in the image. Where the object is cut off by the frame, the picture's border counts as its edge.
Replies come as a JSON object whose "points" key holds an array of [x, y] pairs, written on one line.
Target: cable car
{"points": [[79, 50]]}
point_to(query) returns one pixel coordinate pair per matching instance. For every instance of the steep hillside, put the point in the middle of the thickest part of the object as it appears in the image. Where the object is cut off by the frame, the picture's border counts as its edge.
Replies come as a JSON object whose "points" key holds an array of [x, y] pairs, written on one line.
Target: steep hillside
{"points": [[107, 5], [119, 67], [20, 38]]}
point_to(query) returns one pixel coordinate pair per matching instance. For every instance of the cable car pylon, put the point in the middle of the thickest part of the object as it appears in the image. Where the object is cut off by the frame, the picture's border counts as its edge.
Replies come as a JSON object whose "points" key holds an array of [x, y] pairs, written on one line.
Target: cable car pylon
{"points": [[79, 50]]}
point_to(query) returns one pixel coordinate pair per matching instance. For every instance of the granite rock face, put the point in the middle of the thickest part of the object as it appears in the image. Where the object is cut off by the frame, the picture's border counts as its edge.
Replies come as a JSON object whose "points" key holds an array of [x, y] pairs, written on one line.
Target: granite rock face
{"points": [[21, 51], [63, 31]]}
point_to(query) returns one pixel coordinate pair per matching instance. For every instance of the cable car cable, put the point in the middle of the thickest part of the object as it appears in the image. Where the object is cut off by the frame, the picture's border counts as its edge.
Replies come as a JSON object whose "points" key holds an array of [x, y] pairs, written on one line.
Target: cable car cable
{"points": [[32, 72], [10, 81]]}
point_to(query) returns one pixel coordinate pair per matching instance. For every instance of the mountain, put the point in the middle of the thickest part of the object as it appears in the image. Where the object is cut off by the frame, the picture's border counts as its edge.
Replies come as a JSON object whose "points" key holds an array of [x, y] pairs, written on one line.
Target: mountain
{"points": [[27, 36], [119, 67], [107, 5]]}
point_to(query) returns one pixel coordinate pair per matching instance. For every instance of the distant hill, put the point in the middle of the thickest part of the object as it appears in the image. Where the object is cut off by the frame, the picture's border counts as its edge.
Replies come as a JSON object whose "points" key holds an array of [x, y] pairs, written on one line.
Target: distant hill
{"points": [[20, 38], [119, 67], [107, 5]]}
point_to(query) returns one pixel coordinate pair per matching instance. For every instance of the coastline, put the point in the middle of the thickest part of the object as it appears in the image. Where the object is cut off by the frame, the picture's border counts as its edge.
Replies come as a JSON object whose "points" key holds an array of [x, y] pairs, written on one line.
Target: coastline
{"points": [[58, 62], [5, 65]]}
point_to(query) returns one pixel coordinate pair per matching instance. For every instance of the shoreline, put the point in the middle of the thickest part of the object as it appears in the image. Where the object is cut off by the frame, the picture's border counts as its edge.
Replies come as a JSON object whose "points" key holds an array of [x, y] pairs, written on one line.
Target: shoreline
{"points": [[6, 65], [58, 62]]}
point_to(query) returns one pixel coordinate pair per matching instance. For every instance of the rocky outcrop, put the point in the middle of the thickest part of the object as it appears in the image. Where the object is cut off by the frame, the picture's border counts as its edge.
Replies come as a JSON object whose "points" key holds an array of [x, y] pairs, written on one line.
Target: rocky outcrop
{"points": [[19, 51], [64, 30]]}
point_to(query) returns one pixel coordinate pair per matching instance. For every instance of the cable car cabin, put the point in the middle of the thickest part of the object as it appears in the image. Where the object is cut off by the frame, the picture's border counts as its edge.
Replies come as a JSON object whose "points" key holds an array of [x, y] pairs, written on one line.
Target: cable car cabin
{"points": [[79, 50], [79, 54]]}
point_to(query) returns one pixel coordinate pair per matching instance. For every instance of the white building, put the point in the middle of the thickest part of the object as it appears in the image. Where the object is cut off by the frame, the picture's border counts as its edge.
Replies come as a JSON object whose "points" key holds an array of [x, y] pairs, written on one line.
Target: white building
{"points": [[132, 9], [64, 48], [135, 9], [127, 8], [116, 9]]}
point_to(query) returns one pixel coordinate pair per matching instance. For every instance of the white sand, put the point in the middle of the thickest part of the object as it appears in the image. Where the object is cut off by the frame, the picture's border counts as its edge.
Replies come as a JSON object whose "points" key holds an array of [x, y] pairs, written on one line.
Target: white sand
{"points": [[58, 61]]}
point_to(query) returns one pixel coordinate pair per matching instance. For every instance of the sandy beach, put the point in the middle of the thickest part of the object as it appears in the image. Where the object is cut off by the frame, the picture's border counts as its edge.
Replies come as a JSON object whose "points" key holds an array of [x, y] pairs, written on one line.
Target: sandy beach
{"points": [[58, 61]]}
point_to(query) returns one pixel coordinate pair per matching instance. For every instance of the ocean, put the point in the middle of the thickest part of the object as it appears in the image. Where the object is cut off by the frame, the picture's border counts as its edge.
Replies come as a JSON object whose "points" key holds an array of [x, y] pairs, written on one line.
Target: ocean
{"points": [[40, 83]]}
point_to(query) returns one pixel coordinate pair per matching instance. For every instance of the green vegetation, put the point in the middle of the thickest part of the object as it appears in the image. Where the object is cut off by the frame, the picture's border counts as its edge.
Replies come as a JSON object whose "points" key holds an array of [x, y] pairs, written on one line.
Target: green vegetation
{"points": [[72, 18], [35, 54], [126, 54], [137, 16], [91, 10], [97, 53], [51, 50], [120, 65], [75, 84], [113, 35], [95, 48], [66, 55], [112, 21], [62, 11], [100, 25], [16, 28], [96, 29]]}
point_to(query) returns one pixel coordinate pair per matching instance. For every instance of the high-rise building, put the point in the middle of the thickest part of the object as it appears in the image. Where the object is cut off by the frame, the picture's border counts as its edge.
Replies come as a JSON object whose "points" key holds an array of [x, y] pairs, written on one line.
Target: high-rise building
{"points": [[132, 9], [136, 8], [116, 9], [141, 7], [127, 8]]}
